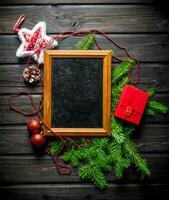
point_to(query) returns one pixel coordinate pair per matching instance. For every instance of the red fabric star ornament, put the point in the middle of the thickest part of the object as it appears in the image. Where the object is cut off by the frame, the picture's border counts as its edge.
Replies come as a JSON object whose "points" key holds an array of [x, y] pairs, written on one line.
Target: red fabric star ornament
{"points": [[34, 41]]}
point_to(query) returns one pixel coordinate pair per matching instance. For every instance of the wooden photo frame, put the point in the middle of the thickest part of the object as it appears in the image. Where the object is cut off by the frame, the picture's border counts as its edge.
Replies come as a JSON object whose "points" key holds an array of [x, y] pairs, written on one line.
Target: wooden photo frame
{"points": [[77, 92]]}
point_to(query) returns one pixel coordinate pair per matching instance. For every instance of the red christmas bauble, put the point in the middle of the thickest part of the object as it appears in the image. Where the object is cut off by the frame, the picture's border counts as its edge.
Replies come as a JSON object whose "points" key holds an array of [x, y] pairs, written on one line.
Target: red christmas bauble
{"points": [[38, 140], [33, 125]]}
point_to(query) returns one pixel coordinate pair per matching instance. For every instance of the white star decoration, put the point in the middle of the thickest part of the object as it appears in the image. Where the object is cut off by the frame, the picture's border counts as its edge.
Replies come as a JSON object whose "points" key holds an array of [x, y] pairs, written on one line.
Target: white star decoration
{"points": [[33, 41]]}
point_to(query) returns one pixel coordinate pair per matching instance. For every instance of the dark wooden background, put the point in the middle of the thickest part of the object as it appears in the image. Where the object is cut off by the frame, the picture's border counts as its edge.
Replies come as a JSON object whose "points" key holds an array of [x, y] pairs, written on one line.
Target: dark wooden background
{"points": [[140, 25]]}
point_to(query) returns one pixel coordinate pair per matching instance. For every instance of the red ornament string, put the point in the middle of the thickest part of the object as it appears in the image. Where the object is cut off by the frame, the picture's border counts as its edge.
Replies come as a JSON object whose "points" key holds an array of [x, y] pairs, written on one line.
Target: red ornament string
{"points": [[19, 93], [66, 34], [62, 36], [59, 166], [18, 23], [36, 111]]}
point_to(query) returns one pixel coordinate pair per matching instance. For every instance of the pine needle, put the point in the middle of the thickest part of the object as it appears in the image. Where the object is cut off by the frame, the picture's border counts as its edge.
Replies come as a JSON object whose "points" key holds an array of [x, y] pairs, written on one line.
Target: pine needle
{"points": [[149, 111], [122, 70], [86, 42], [118, 151], [157, 107], [151, 92], [131, 153], [73, 156], [117, 131], [55, 147], [93, 173]]}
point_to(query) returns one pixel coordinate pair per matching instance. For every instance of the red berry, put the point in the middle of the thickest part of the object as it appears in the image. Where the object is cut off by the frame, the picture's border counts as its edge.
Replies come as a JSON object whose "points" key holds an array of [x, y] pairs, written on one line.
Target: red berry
{"points": [[33, 125], [38, 140]]}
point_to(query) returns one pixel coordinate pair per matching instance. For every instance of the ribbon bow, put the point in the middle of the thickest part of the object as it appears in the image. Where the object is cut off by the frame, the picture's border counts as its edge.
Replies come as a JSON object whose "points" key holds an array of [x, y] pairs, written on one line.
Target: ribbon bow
{"points": [[130, 111]]}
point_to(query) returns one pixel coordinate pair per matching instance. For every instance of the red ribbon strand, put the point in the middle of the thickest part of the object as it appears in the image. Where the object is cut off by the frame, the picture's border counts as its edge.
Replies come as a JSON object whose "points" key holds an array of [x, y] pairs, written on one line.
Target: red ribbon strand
{"points": [[61, 36], [18, 23]]}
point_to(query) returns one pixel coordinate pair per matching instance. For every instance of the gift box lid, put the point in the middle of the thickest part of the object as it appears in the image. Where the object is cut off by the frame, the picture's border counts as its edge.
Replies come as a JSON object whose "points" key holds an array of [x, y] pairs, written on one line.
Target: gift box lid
{"points": [[131, 99]]}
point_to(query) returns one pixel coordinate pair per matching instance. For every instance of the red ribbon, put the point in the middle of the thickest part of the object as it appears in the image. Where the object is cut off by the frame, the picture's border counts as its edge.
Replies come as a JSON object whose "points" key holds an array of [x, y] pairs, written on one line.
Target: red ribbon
{"points": [[66, 34], [18, 23], [129, 110]]}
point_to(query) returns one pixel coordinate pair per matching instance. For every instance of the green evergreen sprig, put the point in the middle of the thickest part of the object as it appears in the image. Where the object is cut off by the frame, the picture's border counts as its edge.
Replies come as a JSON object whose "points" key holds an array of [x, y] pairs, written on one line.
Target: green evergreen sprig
{"points": [[86, 42], [122, 70], [157, 107], [118, 151]]}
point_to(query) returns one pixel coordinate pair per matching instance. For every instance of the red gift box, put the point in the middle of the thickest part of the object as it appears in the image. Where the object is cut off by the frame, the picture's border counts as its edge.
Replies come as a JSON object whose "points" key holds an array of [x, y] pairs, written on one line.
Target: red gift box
{"points": [[131, 104]]}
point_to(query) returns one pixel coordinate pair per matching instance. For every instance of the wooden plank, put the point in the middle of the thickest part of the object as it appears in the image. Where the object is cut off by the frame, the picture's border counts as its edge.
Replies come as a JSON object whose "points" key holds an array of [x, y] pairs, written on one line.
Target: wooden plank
{"points": [[152, 138], [29, 177], [37, 2], [83, 192], [43, 170], [32, 169], [11, 80], [151, 75], [147, 47], [148, 137], [8, 116], [109, 18], [6, 113]]}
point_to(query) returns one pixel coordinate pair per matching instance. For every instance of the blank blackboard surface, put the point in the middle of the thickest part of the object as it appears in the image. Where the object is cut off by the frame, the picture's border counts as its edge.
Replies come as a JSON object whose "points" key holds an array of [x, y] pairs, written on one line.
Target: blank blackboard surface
{"points": [[77, 90]]}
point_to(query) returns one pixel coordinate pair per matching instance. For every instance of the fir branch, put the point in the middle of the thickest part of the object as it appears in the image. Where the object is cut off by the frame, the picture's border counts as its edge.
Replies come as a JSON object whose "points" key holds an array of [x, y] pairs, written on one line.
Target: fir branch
{"points": [[55, 146], [119, 150], [86, 42], [117, 131], [73, 155], [149, 111], [93, 173], [116, 158], [151, 92], [129, 128], [153, 107], [157, 107], [121, 84], [94, 157], [116, 92], [100, 142], [101, 160], [131, 153], [122, 70], [120, 166]]}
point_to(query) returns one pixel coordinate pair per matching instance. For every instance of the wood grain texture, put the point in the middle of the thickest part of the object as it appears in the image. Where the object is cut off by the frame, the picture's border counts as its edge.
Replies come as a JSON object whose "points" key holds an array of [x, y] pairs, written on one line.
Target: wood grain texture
{"points": [[8, 117], [140, 25], [148, 48], [76, 192], [110, 18], [152, 138], [152, 75], [39, 2], [31, 169]]}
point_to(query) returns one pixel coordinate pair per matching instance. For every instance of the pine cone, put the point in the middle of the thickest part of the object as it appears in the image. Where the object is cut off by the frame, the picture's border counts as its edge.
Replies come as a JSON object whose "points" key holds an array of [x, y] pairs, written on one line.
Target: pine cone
{"points": [[31, 75]]}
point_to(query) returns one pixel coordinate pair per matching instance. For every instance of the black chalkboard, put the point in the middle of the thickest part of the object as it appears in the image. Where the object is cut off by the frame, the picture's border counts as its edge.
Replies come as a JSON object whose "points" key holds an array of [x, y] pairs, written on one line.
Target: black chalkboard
{"points": [[77, 92]]}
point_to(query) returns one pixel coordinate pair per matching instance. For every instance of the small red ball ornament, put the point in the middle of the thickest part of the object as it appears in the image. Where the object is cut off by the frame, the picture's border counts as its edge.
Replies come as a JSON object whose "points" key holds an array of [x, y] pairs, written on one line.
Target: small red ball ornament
{"points": [[38, 140], [33, 126]]}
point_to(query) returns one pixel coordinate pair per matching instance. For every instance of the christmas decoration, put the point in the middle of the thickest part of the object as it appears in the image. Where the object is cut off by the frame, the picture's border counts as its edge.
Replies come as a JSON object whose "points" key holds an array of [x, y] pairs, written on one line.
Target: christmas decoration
{"points": [[98, 155], [33, 126], [131, 104], [31, 74], [86, 43], [33, 41], [118, 151], [38, 140]]}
